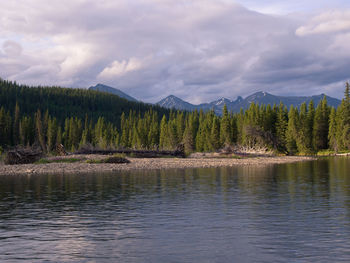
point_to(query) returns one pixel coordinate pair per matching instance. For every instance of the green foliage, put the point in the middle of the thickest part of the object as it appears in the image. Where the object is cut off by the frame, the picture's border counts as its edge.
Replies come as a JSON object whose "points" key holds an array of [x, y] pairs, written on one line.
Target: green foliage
{"points": [[321, 126], [60, 160], [292, 131], [64, 103]]}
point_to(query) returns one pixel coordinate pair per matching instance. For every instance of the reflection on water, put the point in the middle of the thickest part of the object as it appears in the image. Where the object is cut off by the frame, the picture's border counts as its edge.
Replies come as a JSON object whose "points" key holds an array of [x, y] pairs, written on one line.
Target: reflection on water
{"points": [[281, 213]]}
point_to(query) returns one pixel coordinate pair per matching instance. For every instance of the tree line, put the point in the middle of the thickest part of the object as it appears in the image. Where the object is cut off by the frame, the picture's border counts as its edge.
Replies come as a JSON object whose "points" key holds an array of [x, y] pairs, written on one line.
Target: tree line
{"points": [[66, 102], [304, 130]]}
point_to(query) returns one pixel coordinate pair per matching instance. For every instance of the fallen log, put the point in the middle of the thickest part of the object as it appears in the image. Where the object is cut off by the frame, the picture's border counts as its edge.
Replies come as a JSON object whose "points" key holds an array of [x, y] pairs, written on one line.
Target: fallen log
{"points": [[135, 153], [22, 156]]}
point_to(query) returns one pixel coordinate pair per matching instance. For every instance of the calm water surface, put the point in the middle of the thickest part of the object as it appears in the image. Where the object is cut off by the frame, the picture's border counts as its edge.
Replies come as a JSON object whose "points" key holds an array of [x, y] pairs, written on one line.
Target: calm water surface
{"points": [[277, 213]]}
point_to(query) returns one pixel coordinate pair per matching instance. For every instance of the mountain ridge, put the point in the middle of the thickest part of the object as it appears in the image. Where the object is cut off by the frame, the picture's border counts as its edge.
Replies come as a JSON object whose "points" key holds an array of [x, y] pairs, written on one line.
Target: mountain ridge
{"points": [[104, 88], [260, 97]]}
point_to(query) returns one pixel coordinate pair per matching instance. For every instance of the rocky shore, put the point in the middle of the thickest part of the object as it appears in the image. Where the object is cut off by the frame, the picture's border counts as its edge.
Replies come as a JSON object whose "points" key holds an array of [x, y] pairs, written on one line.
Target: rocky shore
{"points": [[140, 164]]}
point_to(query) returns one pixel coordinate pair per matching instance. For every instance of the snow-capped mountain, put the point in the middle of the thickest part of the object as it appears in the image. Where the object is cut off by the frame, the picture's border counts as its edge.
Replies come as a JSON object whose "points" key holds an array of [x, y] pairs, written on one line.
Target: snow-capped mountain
{"points": [[262, 97], [235, 106]]}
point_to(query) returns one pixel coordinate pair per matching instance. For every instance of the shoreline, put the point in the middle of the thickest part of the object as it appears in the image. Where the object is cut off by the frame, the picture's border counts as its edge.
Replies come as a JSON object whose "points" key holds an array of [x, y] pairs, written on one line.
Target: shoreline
{"points": [[82, 167]]}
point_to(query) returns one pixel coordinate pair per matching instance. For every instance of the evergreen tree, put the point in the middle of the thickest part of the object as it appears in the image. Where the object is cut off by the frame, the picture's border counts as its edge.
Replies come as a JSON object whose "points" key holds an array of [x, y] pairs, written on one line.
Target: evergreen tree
{"points": [[163, 133], [321, 126], [302, 135], [333, 130], [51, 134], [15, 135], [39, 131], [310, 126], [281, 126], [188, 139], [26, 131], [291, 133], [59, 136], [153, 135], [226, 129], [215, 134], [5, 128]]}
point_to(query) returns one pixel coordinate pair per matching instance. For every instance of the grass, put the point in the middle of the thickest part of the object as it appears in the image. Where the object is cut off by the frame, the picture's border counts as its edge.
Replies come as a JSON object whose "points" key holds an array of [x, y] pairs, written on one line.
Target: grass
{"points": [[330, 152], [65, 160]]}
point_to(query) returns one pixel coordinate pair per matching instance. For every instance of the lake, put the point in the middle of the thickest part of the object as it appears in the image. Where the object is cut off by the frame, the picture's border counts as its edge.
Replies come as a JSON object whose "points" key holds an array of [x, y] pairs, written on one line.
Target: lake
{"points": [[277, 213]]}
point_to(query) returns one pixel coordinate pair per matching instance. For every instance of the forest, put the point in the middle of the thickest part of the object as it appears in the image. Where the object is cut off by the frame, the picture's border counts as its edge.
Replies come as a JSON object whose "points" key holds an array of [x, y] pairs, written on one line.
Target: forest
{"points": [[48, 116]]}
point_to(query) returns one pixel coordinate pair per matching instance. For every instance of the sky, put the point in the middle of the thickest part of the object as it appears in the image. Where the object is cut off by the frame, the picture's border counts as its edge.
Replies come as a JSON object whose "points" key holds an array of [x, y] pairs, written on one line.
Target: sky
{"points": [[198, 50]]}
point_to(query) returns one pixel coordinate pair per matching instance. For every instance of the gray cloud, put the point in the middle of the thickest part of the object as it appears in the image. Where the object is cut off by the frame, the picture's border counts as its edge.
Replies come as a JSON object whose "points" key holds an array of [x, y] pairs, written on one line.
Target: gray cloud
{"points": [[198, 49], [12, 48]]}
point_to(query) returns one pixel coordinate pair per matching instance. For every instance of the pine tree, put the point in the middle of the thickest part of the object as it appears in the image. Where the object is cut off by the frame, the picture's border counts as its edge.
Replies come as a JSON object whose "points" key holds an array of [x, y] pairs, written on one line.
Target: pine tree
{"points": [[345, 119], [99, 128], [26, 131], [215, 134], [188, 139], [347, 92], [310, 126], [180, 126], [302, 131], [163, 133], [65, 134], [5, 139], [172, 134], [45, 124], [281, 126], [226, 129], [321, 126], [39, 131], [15, 135], [51, 134], [153, 135], [59, 136], [333, 130], [291, 133]]}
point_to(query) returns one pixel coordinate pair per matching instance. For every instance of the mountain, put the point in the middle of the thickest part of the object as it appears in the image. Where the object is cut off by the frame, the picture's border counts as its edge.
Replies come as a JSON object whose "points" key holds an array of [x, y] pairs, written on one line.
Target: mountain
{"points": [[108, 89], [235, 106], [177, 103], [267, 98]]}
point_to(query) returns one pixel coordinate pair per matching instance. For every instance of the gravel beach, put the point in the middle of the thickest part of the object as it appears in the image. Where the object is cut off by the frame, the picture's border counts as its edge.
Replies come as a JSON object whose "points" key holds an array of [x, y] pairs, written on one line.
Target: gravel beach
{"points": [[141, 164]]}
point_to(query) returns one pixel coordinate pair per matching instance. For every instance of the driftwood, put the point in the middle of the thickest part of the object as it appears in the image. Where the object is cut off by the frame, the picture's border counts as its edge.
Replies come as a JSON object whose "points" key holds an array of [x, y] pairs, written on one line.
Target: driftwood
{"points": [[60, 150], [136, 153], [22, 156]]}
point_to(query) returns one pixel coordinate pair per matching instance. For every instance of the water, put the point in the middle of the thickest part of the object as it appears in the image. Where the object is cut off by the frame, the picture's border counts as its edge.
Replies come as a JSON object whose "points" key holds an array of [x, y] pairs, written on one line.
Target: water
{"points": [[277, 213]]}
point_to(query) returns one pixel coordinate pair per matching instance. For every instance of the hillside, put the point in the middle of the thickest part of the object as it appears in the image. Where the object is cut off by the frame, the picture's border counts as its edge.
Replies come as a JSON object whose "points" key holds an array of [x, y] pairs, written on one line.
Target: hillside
{"points": [[67, 102]]}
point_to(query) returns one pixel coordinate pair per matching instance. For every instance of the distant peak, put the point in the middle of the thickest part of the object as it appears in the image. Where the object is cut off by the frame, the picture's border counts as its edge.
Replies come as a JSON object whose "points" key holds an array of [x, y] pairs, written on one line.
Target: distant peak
{"points": [[102, 85], [261, 93], [172, 97], [111, 90]]}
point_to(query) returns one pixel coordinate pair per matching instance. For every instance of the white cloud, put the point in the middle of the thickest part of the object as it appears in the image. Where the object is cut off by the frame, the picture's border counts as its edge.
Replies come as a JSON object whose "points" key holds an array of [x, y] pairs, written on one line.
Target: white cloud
{"points": [[197, 49], [117, 68], [327, 22]]}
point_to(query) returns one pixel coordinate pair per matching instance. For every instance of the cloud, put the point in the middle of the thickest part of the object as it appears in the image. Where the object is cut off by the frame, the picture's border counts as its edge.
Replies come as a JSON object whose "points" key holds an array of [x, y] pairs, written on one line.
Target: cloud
{"points": [[117, 69], [197, 49], [12, 48], [328, 22]]}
